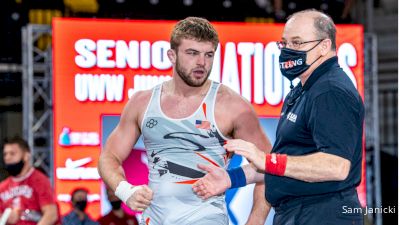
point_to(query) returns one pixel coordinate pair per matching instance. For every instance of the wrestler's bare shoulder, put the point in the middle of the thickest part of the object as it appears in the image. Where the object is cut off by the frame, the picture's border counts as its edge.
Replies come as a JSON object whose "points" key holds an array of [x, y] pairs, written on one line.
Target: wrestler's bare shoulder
{"points": [[230, 100], [139, 100]]}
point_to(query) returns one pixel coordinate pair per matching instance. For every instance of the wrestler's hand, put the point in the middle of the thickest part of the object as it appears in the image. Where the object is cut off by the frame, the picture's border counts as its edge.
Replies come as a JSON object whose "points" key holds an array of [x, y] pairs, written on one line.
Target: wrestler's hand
{"points": [[247, 150], [215, 182], [141, 199]]}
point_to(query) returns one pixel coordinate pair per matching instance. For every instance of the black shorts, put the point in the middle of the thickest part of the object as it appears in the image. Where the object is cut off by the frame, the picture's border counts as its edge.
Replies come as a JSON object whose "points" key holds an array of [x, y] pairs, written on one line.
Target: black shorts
{"points": [[341, 208]]}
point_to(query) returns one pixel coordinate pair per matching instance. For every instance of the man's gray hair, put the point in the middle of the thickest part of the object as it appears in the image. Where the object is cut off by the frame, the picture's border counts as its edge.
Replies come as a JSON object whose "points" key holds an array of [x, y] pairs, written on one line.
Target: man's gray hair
{"points": [[323, 24]]}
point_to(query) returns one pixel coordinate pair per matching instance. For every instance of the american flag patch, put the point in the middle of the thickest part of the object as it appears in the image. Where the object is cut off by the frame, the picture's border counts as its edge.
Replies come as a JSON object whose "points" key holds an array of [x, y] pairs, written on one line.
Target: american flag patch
{"points": [[203, 124]]}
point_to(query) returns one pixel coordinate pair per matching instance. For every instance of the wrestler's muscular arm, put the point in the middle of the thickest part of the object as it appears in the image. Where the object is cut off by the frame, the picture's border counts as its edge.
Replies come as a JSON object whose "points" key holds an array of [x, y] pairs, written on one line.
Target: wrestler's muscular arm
{"points": [[233, 109], [119, 145]]}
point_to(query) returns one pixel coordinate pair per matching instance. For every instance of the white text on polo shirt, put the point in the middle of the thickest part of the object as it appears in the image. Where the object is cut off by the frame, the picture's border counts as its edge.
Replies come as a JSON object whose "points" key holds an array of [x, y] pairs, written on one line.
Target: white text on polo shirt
{"points": [[292, 117]]}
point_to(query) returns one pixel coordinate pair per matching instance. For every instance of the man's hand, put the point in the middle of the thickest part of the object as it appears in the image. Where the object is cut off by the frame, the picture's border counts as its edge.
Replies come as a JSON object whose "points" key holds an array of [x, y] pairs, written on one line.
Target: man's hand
{"points": [[14, 216], [247, 150], [215, 182], [141, 199]]}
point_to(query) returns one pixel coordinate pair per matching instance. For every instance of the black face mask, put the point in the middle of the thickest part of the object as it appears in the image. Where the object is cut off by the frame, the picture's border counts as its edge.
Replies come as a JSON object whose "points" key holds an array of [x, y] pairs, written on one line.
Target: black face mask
{"points": [[80, 205], [15, 168], [116, 204], [292, 63]]}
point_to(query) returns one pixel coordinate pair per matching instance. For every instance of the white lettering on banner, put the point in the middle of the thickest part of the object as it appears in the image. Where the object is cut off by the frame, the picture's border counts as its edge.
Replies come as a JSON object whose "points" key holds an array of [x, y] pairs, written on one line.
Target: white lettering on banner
{"points": [[74, 138], [230, 73], [98, 87], [91, 54], [273, 80], [246, 50], [104, 54], [216, 69], [73, 170], [159, 56], [84, 138], [347, 57], [258, 73], [267, 78], [259, 79], [145, 62], [146, 82], [85, 57], [80, 173], [127, 54], [67, 197]]}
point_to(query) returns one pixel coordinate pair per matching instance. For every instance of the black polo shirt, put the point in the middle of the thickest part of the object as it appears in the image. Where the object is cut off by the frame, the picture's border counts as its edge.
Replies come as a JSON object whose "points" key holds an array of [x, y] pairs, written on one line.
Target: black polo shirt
{"points": [[326, 115]]}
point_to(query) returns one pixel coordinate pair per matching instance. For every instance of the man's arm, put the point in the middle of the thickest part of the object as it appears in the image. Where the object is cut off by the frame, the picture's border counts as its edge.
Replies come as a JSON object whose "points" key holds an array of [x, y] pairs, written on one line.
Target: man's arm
{"points": [[49, 214], [247, 127], [316, 167], [119, 146]]}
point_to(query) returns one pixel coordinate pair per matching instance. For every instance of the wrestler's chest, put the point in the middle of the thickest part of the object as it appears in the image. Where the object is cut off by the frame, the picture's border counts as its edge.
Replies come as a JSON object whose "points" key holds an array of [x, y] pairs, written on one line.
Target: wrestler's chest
{"points": [[180, 108]]}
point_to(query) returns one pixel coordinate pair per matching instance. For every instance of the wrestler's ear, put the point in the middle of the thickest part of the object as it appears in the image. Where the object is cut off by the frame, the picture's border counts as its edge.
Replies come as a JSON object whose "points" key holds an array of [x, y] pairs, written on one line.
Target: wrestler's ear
{"points": [[171, 56]]}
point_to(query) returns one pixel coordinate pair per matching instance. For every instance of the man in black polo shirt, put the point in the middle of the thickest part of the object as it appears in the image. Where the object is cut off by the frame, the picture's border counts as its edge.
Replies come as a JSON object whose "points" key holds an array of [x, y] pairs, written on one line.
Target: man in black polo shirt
{"points": [[315, 165]]}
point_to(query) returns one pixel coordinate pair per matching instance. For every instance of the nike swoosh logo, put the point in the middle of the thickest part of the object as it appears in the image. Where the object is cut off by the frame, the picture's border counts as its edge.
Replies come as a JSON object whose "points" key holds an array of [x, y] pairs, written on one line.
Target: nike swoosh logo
{"points": [[69, 163]]}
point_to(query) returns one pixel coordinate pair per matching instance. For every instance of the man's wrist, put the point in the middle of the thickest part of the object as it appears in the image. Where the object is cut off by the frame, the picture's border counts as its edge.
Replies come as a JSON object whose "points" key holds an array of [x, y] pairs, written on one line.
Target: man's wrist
{"points": [[275, 164]]}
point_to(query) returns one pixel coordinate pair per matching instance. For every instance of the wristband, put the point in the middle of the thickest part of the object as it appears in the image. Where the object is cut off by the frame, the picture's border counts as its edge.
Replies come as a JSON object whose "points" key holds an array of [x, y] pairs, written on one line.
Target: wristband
{"points": [[125, 190], [275, 164], [237, 176]]}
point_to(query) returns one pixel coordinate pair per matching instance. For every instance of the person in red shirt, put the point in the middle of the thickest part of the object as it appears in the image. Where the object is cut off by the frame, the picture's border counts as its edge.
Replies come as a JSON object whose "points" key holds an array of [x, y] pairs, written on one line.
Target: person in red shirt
{"points": [[26, 197], [117, 215]]}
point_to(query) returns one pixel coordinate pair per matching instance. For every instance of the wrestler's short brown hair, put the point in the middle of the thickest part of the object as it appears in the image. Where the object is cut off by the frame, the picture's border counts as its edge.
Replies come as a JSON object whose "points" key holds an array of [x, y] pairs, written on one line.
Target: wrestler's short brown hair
{"points": [[194, 28]]}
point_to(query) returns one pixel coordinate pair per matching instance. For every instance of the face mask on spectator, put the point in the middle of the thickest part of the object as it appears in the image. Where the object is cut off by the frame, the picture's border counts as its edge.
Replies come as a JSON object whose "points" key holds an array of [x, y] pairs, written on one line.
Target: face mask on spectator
{"points": [[81, 205], [15, 168], [116, 204]]}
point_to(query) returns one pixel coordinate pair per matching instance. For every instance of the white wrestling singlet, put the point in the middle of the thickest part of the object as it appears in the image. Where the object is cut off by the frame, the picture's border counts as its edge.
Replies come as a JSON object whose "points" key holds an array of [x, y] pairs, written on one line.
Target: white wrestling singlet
{"points": [[174, 148]]}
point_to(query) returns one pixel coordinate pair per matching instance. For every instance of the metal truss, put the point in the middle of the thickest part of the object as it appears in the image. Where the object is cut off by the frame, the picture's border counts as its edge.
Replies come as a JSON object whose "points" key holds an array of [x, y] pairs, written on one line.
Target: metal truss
{"points": [[372, 142], [37, 94]]}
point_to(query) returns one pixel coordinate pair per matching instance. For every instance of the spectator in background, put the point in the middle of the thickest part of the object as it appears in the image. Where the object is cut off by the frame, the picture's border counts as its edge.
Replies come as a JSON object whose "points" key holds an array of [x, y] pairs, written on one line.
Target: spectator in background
{"points": [[116, 216], [338, 10], [42, 170], [26, 197], [78, 216]]}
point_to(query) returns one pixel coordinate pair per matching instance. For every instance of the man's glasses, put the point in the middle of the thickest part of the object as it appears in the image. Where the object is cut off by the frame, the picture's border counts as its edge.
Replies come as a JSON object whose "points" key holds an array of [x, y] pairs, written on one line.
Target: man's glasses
{"points": [[294, 44]]}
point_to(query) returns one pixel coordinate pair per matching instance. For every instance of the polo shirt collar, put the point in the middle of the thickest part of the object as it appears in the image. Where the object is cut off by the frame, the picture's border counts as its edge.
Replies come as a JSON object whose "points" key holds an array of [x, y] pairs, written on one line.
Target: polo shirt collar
{"points": [[319, 71]]}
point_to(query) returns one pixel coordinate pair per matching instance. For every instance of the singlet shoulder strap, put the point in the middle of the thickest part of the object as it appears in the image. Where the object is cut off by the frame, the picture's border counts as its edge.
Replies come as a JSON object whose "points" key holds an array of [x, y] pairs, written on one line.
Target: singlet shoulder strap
{"points": [[209, 102], [152, 106]]}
